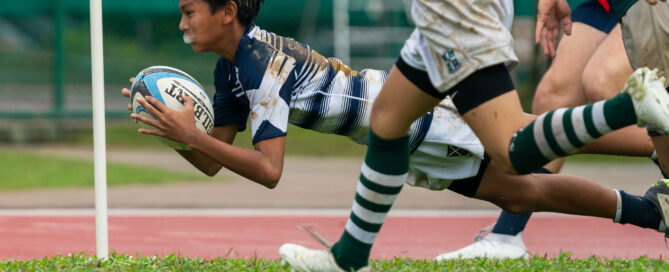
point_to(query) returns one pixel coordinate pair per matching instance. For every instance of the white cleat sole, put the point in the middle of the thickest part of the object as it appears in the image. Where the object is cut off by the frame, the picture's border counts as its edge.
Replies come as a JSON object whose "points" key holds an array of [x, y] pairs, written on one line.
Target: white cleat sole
{"points": [[310, 260], [486, 249], [650, 98]]}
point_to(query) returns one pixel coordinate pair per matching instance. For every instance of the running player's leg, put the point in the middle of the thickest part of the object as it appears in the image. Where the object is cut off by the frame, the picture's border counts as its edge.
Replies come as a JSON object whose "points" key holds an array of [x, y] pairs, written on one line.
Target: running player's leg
{"points": [[642, 142], [386, 162], [383, 174], [561, 86], [553, 193], [409, 92], [603, 78], [645, 31], [554, 134], [564, 194], [608, 68], [560, 193], [484, 101], [560, 132], [385, 167], [589, 64], [505, 240]]}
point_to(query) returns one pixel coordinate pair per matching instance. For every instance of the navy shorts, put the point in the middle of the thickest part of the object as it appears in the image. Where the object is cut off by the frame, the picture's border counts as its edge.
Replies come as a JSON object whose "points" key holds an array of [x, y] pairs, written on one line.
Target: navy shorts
{"points": [[468, 186], [593, 14]]}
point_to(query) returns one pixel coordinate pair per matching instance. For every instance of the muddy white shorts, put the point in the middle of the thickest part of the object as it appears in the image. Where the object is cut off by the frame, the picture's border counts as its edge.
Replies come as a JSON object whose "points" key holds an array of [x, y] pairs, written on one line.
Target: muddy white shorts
{"points": [[645, 30], [455, 38], [450, 151]]}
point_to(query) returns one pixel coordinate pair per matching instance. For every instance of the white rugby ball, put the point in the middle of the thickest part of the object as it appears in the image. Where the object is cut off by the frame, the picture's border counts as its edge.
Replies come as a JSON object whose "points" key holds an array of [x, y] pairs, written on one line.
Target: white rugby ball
{"points": [[167, 85]]}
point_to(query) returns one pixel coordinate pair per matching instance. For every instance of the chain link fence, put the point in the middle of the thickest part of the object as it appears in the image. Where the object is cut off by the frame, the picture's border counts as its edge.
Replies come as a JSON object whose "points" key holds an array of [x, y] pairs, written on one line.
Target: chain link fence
{"points": [[45, 76]]}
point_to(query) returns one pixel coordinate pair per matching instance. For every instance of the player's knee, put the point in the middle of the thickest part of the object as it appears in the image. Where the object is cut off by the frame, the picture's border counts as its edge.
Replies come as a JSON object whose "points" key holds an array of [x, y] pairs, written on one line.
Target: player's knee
{"points": [[516, 207], [523, 203], [378, 116], [555, 92], [386, 124], [546, 94], [597, 86], [542, 99]]}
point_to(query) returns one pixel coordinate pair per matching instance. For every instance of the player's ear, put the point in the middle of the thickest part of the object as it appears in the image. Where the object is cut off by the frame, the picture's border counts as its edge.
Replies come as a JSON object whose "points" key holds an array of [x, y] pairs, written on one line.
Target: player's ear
{"points": [[228, 11]]}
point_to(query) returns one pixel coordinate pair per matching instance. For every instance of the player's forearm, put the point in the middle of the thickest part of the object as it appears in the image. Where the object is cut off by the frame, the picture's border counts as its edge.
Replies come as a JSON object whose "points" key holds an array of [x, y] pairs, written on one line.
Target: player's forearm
{"points": [[209, 166], [202, 162], [251, 164]]}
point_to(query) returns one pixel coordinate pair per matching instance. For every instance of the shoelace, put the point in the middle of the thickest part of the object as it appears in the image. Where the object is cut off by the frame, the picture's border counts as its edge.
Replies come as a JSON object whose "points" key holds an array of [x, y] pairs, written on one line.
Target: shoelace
{"points": [[311, 230], [479, 236]]}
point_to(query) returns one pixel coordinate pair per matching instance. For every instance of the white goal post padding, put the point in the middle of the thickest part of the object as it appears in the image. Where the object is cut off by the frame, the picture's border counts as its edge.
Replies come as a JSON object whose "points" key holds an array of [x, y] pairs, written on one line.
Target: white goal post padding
{"points": [[99, 151]]}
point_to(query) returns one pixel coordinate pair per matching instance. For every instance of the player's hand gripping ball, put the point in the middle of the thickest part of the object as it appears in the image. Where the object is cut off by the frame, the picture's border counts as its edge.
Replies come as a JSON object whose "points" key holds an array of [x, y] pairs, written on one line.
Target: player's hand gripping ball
{"points": [[167, 85]]}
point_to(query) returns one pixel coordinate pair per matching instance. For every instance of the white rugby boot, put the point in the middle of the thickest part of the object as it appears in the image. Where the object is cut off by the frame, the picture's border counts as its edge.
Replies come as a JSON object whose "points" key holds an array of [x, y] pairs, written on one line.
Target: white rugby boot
{"points": [[311, 260], [650, 99], [493, 246]]}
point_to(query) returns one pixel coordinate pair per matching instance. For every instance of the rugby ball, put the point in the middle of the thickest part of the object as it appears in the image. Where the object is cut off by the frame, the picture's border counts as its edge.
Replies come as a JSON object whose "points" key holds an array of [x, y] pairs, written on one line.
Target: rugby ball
{"points": [[167, 85]]}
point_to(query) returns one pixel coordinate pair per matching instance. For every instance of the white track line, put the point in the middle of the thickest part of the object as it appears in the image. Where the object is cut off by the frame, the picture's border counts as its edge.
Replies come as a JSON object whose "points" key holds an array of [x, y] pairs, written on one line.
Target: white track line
{"points": [[250, 212]]}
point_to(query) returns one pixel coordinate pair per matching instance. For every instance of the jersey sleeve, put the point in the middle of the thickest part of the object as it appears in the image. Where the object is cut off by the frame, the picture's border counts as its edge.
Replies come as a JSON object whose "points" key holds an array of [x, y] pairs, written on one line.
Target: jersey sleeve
{"points": [[228, 107], [268, 75]]}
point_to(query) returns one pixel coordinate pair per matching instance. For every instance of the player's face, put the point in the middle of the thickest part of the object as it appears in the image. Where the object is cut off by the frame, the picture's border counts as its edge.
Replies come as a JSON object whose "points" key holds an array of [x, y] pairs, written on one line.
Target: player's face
{"points": [[202, 30]]}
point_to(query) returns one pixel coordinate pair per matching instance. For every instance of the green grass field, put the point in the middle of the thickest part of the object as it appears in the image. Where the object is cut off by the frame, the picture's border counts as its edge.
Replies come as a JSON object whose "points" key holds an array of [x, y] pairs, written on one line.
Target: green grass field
{"points": [[25, 171], [299, 142], [121, 262], [28, 171]]}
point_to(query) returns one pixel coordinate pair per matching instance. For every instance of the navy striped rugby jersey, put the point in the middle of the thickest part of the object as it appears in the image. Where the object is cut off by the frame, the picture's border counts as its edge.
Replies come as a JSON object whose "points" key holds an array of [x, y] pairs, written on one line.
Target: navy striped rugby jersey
{"points": [[275, 81]]}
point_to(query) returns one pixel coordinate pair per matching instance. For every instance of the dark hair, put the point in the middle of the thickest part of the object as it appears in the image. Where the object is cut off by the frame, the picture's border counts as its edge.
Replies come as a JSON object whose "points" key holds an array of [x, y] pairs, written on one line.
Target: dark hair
{"points": [[247, 10]]}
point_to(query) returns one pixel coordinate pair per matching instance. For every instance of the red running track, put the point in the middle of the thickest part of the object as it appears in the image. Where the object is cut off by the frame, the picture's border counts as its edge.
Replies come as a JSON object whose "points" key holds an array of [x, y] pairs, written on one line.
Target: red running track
{"points": [[27, 237]]}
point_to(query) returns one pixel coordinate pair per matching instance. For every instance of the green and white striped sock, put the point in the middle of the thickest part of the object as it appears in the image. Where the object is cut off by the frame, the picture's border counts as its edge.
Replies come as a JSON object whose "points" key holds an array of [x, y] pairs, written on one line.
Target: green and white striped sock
{"points": [[557, 133], [381, 179]]}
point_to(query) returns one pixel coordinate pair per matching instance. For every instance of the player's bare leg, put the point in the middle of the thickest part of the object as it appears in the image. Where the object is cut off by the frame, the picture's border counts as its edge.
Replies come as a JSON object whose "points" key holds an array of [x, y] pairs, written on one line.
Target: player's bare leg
{"points": [[385, 168], [629, 141], [562, 85], [561, 132], [608, 68], [491, 107], [554, 193], [398, 105], [589, 65], [495, 122], [603, 78]]}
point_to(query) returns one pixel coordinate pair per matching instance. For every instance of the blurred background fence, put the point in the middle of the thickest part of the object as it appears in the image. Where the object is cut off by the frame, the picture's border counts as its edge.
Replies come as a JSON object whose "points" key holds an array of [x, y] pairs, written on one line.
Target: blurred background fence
{"points": [[45, 61]]}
